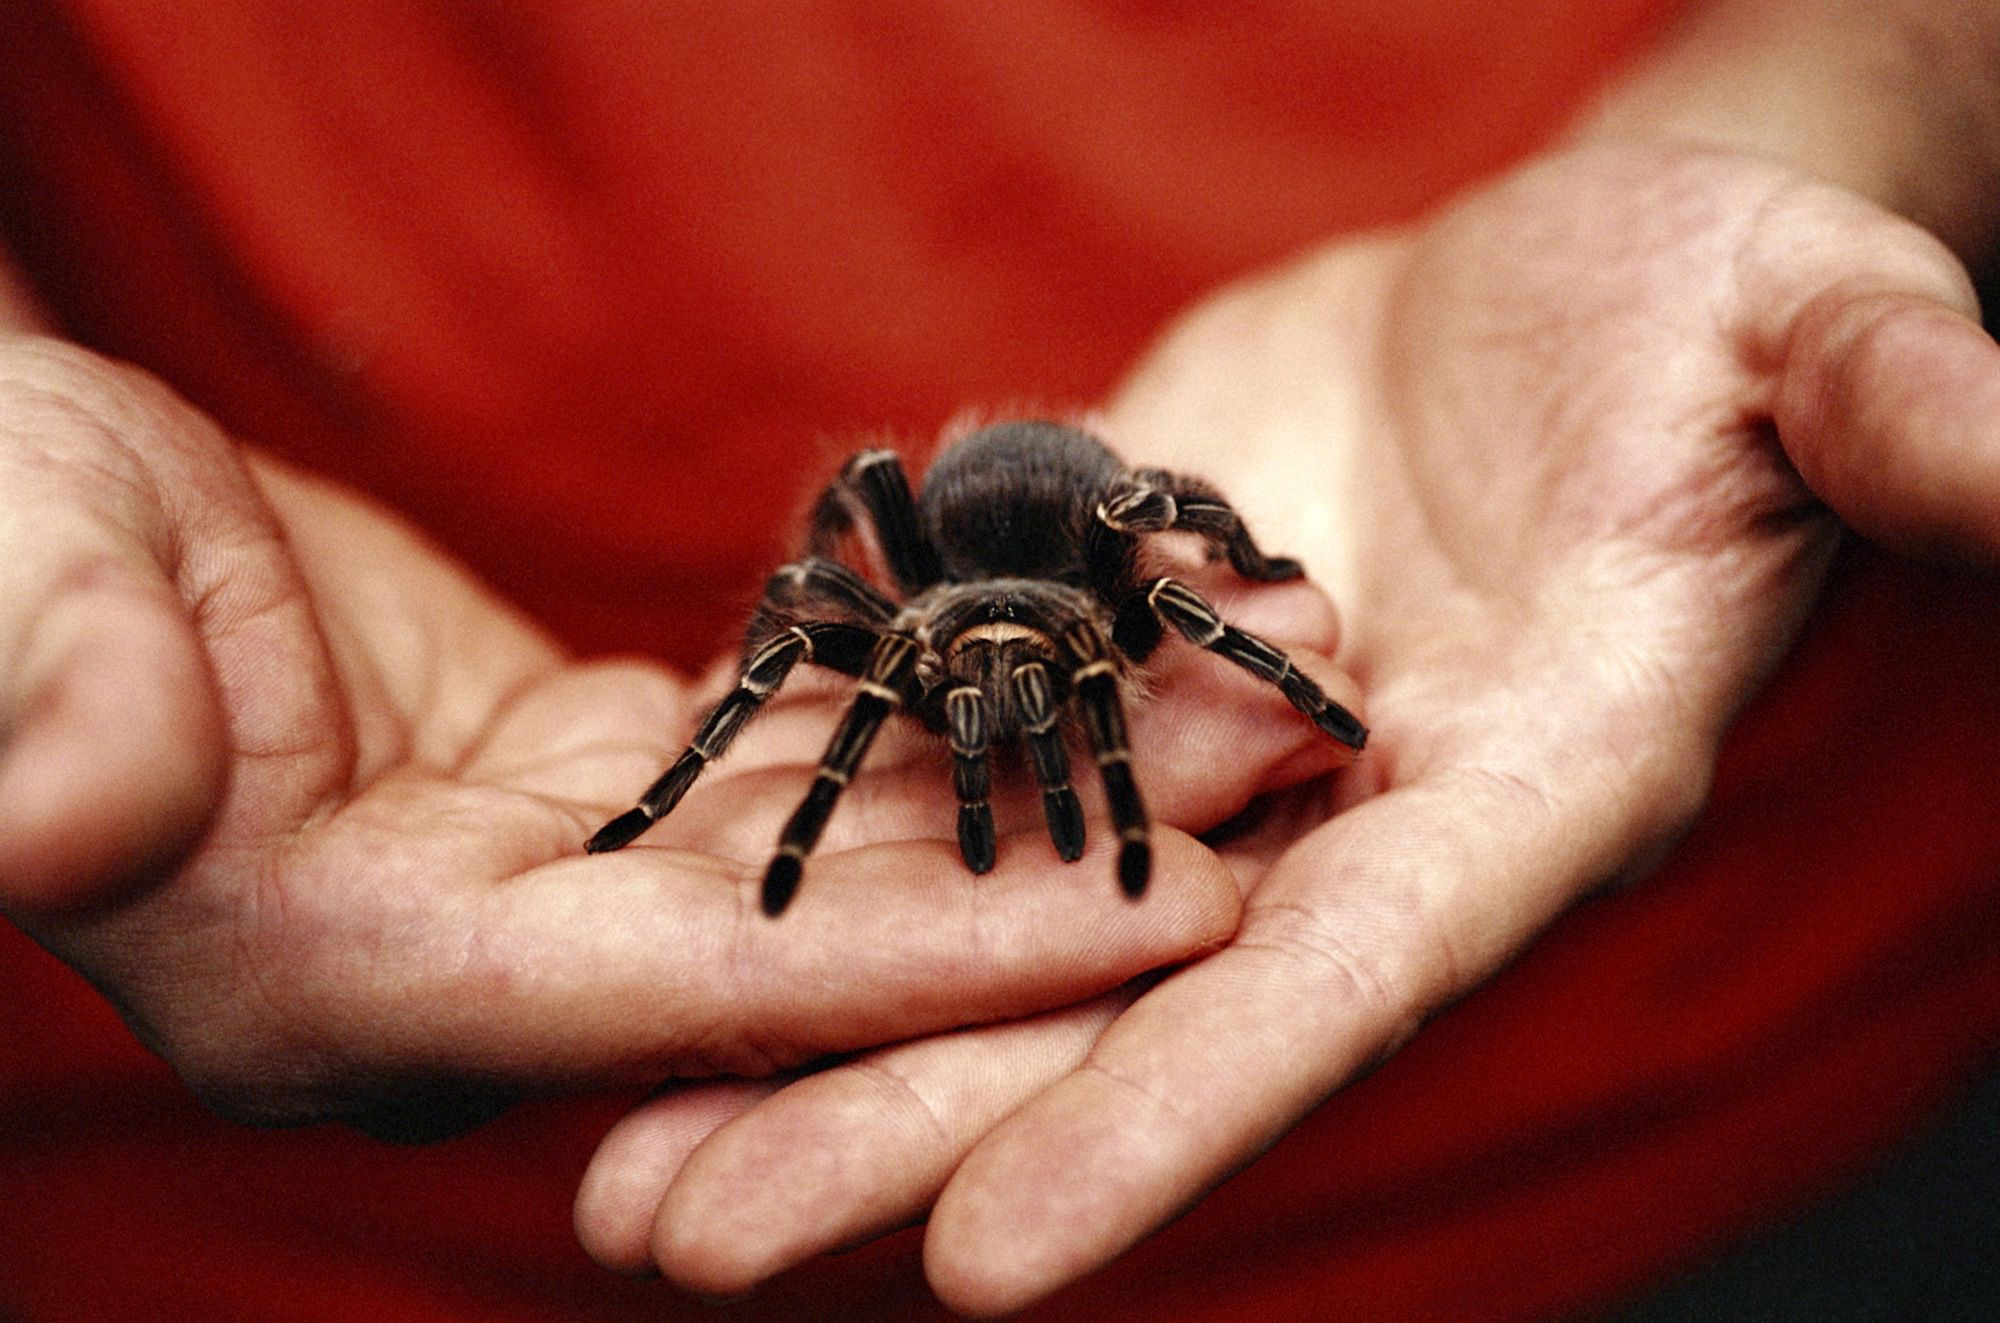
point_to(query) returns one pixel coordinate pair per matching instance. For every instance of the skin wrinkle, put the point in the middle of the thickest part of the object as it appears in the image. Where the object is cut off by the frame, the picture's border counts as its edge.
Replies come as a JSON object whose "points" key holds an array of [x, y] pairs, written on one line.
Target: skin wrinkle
{"points": [[1484, 796], [81, 465], [506, 706], [1096, 1067], [1293, 932], [353, 681], [241, 588], [1739, 326], [898, 1093], [112, 404], [1583, 406], [1586, 795], [1694, 513], [257, 1072], [1602, 750], [1656, 806], [338, 783], [742, 970], [306, 1059]]}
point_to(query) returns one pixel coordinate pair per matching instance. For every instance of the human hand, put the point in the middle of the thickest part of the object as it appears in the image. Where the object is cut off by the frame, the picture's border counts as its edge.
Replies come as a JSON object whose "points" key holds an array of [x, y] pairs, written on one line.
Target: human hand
{"points": [[308, 806], [1547, 454]]}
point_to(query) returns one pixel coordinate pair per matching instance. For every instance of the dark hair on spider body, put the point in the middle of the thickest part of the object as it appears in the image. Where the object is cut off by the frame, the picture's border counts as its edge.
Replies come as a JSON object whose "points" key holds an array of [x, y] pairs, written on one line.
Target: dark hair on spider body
{"points": [[1020, 605]]}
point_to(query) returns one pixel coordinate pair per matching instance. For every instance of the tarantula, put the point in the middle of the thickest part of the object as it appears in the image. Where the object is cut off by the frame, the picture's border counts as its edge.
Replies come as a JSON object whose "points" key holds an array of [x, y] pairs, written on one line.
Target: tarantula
{"points": [[1024, 597]]}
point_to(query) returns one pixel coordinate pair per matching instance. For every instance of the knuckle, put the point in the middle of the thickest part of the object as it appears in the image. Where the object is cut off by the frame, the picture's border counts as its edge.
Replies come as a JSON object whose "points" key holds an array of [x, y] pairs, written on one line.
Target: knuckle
{"points": [[1337, 966], [920, 1121], [73, 431], [113, 428], [58, 388]]}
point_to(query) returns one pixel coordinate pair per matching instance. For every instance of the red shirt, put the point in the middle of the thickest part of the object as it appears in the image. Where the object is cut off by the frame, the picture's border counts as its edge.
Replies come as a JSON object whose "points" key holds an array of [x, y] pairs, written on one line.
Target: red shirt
{"points": [[593, 292]]}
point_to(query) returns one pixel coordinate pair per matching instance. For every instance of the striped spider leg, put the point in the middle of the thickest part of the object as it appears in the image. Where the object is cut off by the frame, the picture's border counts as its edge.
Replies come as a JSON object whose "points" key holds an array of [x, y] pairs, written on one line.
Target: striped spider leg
{"points": [[1156, 501], [1035, 696], [886, 682], [969, 724], [1095, 682], [1018, 598], [1190, 614], [776, 646], [873, 491]]}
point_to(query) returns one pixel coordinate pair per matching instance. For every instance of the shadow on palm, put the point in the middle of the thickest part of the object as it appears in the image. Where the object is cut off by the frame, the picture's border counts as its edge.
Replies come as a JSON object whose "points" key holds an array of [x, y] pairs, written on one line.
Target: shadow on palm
{"points": [[1530, 449], [392, 920], [1568, 544]]}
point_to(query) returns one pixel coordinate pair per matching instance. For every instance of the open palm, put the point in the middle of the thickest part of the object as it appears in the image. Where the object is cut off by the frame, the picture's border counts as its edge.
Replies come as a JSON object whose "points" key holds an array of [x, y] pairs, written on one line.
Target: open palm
{"points": [[1546, 453], [308, 805]]}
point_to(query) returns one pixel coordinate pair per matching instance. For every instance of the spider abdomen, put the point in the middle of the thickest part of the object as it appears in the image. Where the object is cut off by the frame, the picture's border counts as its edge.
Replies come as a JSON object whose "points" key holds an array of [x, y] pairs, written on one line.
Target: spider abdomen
{"points": [[1016, 500]]}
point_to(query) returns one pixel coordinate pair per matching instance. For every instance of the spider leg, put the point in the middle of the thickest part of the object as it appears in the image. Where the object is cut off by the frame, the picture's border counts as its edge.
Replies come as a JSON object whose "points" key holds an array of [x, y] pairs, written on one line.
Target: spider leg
{"points": [[965, 712], [1096, 682], [1036, 695], [891, 664], [817, 581], [1189, 612], [829, 643], [875, 482], [1155, 501]]}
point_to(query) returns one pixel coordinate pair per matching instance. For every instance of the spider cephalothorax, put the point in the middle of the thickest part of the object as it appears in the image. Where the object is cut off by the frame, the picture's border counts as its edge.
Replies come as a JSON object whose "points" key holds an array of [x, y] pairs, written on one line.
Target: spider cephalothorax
{"points": [[1021, 602]]}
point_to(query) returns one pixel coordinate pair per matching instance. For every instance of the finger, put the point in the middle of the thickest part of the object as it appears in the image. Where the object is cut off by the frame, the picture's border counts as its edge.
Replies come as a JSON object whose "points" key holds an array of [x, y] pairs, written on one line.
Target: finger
{"points": [[853, 1152], [112, 745], [392, 604], [1207, 736], [646, 963], [1890, 410], [1357, 934], [637, 1159], [114, 757], [1886, 385]]}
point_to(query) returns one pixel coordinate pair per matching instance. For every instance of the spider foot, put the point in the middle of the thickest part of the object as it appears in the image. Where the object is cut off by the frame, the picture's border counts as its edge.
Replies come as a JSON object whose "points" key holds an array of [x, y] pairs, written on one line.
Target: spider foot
{"points": [[1328, 715], [1343, 725], [1065, 817], [781, 882], [619, 832], [975, 837], [1135, 866]]}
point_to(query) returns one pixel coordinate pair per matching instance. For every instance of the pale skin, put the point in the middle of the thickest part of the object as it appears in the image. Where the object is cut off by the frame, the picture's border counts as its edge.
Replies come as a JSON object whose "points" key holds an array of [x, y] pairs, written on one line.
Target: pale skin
{"points": [[308, 804], [1570, 457], [1578, 551]]}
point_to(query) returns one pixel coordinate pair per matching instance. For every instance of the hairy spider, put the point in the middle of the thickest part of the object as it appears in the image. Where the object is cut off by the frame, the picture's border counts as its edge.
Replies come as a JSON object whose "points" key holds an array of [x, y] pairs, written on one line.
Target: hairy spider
{"points": [[1025, 599]]}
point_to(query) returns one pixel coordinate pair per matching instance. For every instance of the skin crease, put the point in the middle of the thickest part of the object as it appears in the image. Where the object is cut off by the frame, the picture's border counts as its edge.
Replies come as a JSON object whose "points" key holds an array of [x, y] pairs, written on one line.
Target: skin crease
{"points": [[1545, 452], [355, 890], [1539, 449], [1571, 456]]}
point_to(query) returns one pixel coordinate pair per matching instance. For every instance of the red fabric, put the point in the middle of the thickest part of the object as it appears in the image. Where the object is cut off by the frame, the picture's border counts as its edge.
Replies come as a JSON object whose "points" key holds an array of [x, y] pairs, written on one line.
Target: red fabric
{"points": [[584, 288]]}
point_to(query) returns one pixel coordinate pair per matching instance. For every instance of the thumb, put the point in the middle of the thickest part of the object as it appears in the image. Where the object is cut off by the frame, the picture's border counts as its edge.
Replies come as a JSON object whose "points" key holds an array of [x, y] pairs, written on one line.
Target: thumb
{"points": [[111, 736], [1888, 405]]}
